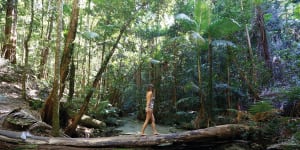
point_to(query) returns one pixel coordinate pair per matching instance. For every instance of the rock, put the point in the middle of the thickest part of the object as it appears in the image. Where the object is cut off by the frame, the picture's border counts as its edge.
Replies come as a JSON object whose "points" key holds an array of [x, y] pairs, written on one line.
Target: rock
{"points": [[19, 119], [91, 122]]}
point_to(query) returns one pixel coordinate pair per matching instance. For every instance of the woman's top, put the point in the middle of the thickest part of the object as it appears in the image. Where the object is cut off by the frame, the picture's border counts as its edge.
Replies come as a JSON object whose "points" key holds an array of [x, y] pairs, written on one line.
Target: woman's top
{"points": [[151, 106]]}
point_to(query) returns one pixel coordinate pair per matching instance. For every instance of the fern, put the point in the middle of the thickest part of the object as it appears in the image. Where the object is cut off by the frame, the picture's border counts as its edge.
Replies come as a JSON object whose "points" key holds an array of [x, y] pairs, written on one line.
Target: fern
{"points": [[260, 107]]}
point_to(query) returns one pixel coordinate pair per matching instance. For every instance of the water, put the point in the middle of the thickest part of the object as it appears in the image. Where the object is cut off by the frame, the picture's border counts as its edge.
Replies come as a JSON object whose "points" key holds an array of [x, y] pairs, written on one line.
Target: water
{"points": [[132, 126]]}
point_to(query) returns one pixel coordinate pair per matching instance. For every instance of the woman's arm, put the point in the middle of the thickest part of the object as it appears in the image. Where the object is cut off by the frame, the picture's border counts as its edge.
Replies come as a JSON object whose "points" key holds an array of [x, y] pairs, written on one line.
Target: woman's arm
{"points": [[148, 97]]}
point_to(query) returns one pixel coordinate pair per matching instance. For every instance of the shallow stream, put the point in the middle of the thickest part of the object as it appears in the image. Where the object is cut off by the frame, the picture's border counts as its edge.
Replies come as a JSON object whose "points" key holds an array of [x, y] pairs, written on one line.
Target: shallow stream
{"points": [[133, 126]]}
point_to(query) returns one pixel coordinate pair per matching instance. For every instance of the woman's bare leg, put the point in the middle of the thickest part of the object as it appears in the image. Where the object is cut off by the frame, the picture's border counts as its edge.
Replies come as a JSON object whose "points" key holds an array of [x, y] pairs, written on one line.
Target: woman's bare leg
{"points": [[148, 117], [153, 125]]}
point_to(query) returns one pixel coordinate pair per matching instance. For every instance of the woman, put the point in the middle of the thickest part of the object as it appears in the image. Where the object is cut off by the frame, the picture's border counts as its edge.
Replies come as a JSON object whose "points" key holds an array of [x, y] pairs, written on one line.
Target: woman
{"points": [[149, 110]]}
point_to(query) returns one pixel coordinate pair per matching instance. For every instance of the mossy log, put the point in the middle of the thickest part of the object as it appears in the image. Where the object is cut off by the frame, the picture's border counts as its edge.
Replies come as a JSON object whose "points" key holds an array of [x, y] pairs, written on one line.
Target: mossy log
{"points": [[221, 132]]}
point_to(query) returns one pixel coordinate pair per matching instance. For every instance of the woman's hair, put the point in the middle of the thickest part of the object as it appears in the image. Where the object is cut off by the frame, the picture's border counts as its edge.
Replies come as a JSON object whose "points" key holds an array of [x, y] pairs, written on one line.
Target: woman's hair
{"points": [[150, 87]]}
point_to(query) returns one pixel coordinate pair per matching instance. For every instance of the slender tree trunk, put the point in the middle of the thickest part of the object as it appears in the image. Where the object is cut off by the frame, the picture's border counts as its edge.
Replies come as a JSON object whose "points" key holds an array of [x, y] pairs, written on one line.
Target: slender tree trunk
{"points": [[263, 41], [55, 112], [201, 110], [228, 91], [9, 47], [71, 128], [26, 43], [69, 47], [174, 92], [250, 52], [72, 80], [210, 83], [251, 57], [45, 50]]}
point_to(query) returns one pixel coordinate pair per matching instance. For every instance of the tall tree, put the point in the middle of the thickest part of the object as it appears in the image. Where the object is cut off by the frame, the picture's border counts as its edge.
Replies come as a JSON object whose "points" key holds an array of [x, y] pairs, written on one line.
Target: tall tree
{"points": [[55, 111], [26, 42], [65, 63], [69, 46], [263, 45], [45, 49], [9, 47]]}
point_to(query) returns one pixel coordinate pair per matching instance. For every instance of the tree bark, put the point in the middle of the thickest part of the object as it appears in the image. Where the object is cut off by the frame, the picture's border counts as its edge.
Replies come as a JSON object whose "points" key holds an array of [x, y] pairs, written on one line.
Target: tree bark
{"points": [[222, 132], [26, 67], [69, 47], [55, 100], [9, 47], [45, 50], [263, 41]]}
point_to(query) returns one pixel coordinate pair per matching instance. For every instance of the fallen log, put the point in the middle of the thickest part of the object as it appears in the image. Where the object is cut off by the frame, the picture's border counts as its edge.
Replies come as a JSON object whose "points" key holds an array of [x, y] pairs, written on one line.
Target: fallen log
{"points": [[221, 132]]}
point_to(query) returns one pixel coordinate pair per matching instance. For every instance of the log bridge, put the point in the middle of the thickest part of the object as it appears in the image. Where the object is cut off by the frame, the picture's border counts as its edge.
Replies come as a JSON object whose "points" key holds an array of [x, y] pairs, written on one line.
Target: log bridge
{"points": [[221, 132]]}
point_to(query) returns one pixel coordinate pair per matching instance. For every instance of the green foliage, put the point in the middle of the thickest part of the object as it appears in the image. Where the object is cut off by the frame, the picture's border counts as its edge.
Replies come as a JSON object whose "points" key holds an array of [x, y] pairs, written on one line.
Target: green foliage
{"points": [[185, 22], [36, 104], [292, 94], [188, 103], [196, 38], [223, 27], [105, 110], [297, 11], [184, 119], [202, 12], [260, 107], [297, 136], [267, 17], [89, 35]]}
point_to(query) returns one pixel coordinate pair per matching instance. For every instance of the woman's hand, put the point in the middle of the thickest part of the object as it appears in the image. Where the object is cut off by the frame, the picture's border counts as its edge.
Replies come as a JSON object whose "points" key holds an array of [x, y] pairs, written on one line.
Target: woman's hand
{"points": [[147, 109]]}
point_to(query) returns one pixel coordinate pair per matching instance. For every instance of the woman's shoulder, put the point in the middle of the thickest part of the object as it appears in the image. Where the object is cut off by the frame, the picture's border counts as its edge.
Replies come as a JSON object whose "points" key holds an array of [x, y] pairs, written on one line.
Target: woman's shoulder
{"points": [[149, 93]]}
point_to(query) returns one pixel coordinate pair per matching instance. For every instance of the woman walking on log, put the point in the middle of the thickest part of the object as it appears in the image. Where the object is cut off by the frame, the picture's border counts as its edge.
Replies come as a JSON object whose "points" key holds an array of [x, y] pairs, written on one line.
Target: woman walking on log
{"points": [[149, 110]]}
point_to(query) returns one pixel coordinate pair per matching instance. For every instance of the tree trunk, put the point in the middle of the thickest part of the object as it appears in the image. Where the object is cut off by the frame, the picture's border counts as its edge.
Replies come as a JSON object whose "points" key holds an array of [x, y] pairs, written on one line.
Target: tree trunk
{"points": [[228, 89], [201, 111], [263, 41], [45, 50], [9, 47], [55, 111], [26, 67], [72, 80], [210, 84], [69, 47], [227, 132], [251, 57]]}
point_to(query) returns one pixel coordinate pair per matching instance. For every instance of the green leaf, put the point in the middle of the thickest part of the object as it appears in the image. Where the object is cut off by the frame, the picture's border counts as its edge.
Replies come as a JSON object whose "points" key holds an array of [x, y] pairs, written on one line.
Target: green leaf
{"points": [[297, 11], [267, 17], [185, 22], [223, 27], [260, 107], [223, 43], [196, 38], [90, 35], [202, 13]]}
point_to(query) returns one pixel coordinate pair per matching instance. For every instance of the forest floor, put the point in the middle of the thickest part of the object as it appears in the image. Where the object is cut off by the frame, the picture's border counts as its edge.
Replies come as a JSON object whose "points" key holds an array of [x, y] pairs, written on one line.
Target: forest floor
{"points": [[11, 90]]}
